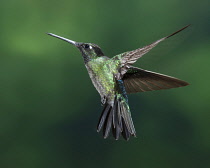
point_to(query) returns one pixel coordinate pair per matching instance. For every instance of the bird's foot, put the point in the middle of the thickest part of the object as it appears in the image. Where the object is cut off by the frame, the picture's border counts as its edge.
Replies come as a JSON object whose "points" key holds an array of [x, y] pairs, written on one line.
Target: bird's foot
{"points": [[103, 100]]}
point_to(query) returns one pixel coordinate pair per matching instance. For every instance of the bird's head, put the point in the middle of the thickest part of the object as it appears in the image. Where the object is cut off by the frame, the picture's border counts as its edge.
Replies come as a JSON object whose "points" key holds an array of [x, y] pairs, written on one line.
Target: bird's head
{"points": [[89, 50]]}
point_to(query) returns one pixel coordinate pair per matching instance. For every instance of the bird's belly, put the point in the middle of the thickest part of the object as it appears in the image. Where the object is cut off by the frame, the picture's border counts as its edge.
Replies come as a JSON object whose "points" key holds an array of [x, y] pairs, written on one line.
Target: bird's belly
{"points": [[103, 80]]}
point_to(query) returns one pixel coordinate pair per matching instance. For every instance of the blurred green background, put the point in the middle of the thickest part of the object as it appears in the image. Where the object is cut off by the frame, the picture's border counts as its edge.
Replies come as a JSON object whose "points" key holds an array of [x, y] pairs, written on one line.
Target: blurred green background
{"points": [[49, 108]]}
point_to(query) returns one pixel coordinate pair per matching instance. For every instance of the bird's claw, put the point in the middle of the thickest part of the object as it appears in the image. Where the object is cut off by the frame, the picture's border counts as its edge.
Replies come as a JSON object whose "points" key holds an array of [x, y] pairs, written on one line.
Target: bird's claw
{"points": [[103, 100]]}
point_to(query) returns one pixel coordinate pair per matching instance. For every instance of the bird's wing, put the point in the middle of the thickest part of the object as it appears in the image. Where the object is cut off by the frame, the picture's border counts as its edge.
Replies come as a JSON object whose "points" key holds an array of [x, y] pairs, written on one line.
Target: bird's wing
{"points": [[139, 80], [128, 58]]}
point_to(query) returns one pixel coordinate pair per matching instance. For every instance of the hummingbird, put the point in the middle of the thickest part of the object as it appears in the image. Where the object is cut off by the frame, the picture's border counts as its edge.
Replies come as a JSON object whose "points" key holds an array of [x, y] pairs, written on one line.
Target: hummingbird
{"points": [[114, 78]]}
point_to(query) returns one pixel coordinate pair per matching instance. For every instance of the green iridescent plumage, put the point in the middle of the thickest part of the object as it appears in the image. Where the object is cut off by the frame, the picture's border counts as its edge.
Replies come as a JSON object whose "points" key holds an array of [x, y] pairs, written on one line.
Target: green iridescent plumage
{"points": [[103, 69], [116, 77]]}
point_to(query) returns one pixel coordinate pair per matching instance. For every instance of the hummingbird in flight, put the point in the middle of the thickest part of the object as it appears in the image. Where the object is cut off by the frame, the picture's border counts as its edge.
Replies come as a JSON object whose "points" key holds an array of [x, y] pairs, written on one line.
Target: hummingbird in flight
{"points": [[115, 78]]}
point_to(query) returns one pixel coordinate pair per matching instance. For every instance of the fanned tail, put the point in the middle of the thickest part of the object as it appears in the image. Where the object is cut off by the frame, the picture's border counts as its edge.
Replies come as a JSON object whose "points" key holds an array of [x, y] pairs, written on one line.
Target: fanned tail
{"points": [[118, 118]]}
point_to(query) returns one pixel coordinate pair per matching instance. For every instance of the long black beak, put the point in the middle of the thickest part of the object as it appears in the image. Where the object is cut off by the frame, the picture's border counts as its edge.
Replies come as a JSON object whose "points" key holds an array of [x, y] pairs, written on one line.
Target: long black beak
{"points": [[65, 39]]}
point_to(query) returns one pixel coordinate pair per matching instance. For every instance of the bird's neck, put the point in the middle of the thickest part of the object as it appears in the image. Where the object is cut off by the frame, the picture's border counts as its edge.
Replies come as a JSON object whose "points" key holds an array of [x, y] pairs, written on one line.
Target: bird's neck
{"points": [[96, 63]]}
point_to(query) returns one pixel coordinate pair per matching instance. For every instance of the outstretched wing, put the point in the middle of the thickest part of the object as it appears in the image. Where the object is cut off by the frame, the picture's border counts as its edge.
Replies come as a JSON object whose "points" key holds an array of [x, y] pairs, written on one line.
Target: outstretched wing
{"points": [[139, 80], [128, 58]]}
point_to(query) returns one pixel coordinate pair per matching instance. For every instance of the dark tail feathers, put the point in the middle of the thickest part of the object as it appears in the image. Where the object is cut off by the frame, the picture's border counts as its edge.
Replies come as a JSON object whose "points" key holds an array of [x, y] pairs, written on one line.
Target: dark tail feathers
{"points": [[117, 117]]}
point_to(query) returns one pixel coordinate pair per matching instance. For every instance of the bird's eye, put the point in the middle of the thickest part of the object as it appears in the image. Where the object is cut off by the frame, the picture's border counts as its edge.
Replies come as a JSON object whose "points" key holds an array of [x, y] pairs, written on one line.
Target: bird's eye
{"points": [[87, 46]]}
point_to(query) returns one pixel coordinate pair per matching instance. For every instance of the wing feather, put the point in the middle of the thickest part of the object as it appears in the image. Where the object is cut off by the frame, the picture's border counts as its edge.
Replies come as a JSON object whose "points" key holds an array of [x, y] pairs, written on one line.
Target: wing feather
{"points": [[128, 58], [139, 80]]}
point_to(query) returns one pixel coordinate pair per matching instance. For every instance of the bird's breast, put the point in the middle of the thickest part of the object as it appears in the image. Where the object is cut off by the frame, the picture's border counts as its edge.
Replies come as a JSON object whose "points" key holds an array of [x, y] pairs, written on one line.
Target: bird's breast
{"points": [[102, 72]]}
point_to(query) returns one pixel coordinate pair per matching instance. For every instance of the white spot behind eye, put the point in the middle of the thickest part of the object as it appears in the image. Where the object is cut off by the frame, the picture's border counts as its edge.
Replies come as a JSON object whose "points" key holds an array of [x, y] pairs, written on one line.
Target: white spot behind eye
{"points": [[90, 47]]}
